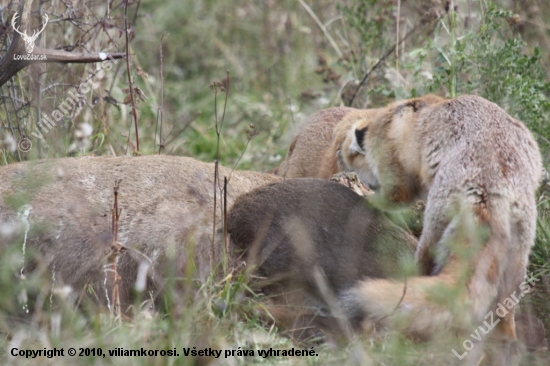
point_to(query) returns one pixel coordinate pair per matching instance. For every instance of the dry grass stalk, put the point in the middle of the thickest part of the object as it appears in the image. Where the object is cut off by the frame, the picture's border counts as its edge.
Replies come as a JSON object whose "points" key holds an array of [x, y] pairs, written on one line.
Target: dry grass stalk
{"points": [[114, 251]]}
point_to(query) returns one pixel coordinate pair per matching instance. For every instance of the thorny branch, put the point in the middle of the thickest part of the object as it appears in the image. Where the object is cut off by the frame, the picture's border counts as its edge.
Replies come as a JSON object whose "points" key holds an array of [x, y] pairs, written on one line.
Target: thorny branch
{"points": [[9, 66], [427, 20]]}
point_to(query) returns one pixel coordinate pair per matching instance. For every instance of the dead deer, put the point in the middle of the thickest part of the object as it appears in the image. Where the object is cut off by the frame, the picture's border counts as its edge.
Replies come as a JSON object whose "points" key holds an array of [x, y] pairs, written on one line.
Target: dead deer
{"points": [[62, 211]]}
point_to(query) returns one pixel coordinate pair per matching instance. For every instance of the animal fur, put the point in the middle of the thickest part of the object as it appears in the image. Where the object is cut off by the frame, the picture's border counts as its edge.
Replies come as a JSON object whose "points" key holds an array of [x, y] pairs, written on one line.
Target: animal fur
{"points": [[167, 206], [166, 212], [306, 152], [478, 169], [310, 240], [314, 153]]}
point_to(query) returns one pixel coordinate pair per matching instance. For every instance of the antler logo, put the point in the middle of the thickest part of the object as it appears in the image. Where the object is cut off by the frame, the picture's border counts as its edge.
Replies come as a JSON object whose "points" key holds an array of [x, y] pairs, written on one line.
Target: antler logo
{"points": [[29, 40]]}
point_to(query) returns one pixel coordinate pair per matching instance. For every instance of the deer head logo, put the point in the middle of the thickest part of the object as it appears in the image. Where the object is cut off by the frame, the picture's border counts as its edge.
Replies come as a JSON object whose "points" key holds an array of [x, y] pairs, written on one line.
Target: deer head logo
{"points": [[29, 40]]}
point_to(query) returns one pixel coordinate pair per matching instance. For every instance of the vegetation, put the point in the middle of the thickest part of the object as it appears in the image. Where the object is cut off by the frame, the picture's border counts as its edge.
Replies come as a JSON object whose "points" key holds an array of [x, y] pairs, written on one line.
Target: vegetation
{"points": [[275, 62]]}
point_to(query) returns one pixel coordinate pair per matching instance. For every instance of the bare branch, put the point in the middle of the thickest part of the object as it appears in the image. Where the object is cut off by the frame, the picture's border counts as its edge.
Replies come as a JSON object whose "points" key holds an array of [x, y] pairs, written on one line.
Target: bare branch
{"points": [[425, 22], [65, 57], [10, 65], [131, 87]]}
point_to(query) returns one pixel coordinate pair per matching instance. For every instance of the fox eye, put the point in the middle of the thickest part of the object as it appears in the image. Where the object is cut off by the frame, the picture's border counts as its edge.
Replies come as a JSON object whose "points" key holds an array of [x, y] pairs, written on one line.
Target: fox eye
{"points": [[360, 136]]}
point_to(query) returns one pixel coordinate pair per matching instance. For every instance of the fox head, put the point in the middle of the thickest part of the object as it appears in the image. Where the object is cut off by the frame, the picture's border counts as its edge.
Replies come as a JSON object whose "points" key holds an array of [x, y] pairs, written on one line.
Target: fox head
{"points": [[356, 156]]}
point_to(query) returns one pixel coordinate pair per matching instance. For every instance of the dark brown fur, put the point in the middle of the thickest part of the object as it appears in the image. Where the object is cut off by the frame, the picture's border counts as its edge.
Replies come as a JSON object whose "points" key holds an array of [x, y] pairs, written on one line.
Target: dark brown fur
{"points": [[312, 239], [299, 229]]}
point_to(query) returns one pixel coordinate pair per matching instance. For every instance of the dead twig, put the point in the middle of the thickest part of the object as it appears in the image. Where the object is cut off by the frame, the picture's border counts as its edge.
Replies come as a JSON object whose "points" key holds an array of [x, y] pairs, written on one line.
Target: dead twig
{"points": [[132, 100], [181, 130], [251, 133], [10, 65], [398, 303], [217, 87], [423, 24], [114, 252], [160, 113], [225, 234], [212, 251]]}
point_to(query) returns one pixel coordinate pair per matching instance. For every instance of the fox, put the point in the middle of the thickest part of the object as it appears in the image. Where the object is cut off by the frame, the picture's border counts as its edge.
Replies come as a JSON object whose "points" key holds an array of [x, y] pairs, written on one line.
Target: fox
{"points": [[340, 151], [308, 148], [57, 213], [312, 153], [478, 170], [308, 241]]}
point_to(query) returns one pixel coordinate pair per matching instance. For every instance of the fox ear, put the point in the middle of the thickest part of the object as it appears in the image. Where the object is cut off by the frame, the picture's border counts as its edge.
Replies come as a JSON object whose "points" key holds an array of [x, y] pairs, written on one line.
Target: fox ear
{"points": [[357, 141]]}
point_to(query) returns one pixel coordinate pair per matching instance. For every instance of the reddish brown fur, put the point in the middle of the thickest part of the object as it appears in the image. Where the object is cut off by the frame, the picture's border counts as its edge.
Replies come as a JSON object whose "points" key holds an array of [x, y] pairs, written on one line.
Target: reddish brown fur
{"points": [[478, 169]]}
